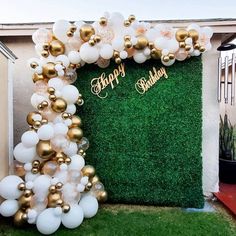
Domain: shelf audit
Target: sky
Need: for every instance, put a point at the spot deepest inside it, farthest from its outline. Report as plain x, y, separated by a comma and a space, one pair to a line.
26, 11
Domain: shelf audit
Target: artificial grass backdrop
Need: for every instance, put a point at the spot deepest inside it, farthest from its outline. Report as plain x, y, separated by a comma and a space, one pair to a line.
146, 148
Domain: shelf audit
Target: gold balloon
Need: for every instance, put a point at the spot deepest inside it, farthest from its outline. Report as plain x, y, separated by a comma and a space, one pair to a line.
141, 43
24, 200
193, 34
76, 121
66, 208
56, 48
36, 77
103, 21
49, 168
75, 134
86, 31
54, 199
20, 218
61, 155
49, 70
181, 35
101, 195
89, 171
19, 169
30, 116
44, 149
59, 105
95, 179
155, 53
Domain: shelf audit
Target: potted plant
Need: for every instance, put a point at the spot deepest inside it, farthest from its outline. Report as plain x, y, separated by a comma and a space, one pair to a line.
227, 151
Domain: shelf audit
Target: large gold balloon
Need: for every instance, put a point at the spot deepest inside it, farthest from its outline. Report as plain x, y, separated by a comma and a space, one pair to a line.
59, 105
76, 121
75, 134
36, 77
20, 218
56, 48
88, 170
181, 35
193, 34
30, 116
25, 199
86, 31
45, 150
101, 195
54, 199
141, 43
49, 70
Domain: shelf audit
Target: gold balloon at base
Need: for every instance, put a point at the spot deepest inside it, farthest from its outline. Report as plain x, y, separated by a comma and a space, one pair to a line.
49, 70
101, 195
88, 170
86, 31
45, 150
54, 199
20, 218
142, 42
75, 134
59, 105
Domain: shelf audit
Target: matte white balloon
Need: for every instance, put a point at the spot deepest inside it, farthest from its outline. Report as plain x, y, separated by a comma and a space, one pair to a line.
89, 205
41, 185
77, 162
60, 128
29, 139
64, 59
45, 132
139, 57
74, 57
29, 176
24, 154
56, 83
71, 108
9, 208
106, 51
48, 222
37, 99
60, 29
88, 53
71, 149
74, 217
9, 187
41, 36
70, 93
118, 44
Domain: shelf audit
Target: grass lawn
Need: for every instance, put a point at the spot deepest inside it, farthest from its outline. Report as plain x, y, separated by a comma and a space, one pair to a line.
139, 220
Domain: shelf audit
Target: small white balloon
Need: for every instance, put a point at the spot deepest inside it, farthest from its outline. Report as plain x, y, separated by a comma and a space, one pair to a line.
70, 93
29, 176
88, 53
60, 29
139, 57
41, 185
56, 83
89, 205
60, 128
77, 162
71, 149
118, 44
9, 187
84, 180
71, 108
29, 139
48, 222
45, 132
106, 51
24, 154
123, 54
74, 57
36, 99
9, 208
74, 217
64, 59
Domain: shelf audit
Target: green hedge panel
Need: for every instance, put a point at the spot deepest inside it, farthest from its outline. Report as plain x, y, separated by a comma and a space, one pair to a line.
146, 148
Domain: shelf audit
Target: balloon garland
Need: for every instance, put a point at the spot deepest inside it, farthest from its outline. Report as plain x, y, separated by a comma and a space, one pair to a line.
52, 184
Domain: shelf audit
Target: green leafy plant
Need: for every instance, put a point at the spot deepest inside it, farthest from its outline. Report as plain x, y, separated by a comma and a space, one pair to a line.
227, 139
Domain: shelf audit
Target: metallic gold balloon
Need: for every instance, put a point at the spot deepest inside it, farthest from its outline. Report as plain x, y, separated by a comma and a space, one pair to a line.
155, 53
44, 149
103, 21
70, 34
21, 186
36, 77
95, 179
57, 48
193, 34
36, 124
73, 28
24, 200
20, 218
75, 134
30, 116
132, 18
118, 60
182, 44
89, 171
181, 35
187, 47
171, 56
127, 37
65, 115
86, 31
49, 70
141, 43
61, 155
76, 121
202, 49
126, 23
53, 199
196, 46
91, 42
59, 105
128, 44
66, 208
51, 90
166, 58
101, 195
44, 53
19, 169
33, 64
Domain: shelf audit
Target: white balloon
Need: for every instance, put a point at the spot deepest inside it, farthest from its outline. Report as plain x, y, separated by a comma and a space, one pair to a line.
41, 185
139, 57
172, 45
89, 205
88, 53
71, 108
45, 132
169, 63
117, 19
9, 187
64, 59
74, 217
56, 83
60, 29
41, 36
48, 222
118, 44
29, 139
74, 57
208, 31
60, 128
36, 99
29, 176
106, 51
161, 43
24, 154
70, 93
195, 27
123, 54
151, 35
9, 208
71, 149
77, 162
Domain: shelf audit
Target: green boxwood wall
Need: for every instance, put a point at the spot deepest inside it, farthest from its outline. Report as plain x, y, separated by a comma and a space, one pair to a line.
147, 148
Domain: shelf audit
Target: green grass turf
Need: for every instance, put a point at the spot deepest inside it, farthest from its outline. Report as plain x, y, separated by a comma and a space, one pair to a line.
134, 221
147, 148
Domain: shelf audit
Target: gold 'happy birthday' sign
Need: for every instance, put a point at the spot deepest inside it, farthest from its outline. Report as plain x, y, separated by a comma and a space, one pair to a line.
98, 84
